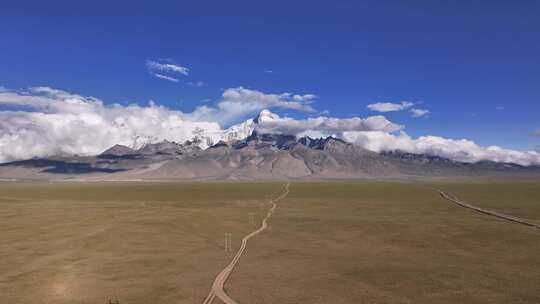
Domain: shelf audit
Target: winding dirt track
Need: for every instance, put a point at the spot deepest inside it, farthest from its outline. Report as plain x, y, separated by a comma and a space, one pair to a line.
217, 287
487, 212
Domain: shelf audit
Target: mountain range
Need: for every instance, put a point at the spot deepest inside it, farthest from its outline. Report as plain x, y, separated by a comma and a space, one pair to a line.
243, 153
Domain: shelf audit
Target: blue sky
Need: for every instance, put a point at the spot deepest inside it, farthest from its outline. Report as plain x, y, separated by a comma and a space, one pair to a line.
473, 64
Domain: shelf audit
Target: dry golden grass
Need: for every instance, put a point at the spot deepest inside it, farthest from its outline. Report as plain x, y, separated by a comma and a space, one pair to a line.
517, 199
387, 243
138, 243
329, 242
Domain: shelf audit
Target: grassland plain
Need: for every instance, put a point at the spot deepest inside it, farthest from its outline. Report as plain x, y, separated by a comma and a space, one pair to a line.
329, 242
138, 243
518, 199
388, 243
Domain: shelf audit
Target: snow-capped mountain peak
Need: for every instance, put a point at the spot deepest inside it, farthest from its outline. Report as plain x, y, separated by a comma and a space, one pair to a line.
204, 138
265, 115
236, 132
246, 128
239, 131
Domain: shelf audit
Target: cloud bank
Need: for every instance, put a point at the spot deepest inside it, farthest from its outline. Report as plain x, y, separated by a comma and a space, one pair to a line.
55, 122
323, 126
64, 123
457, 149
240, 102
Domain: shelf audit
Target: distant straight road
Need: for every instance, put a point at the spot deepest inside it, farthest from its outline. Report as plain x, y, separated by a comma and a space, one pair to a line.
488, 212
219, 282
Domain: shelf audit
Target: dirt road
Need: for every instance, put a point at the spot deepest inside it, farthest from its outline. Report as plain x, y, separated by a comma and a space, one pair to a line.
217, 287
487, 212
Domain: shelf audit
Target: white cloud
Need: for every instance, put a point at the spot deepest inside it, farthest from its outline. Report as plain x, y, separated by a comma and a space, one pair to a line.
312, 134
241, 102
389, 106
324, 112
165, 77
160, 70
196, 83
419, 112
63, 123
325, 126
307, 98
457, 149
166, 67
59, 122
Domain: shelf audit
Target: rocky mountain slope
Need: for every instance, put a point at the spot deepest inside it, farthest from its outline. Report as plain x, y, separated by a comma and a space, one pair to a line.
257, 156
241, 152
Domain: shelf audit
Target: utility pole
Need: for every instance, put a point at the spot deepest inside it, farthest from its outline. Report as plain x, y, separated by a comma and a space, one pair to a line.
228, 242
